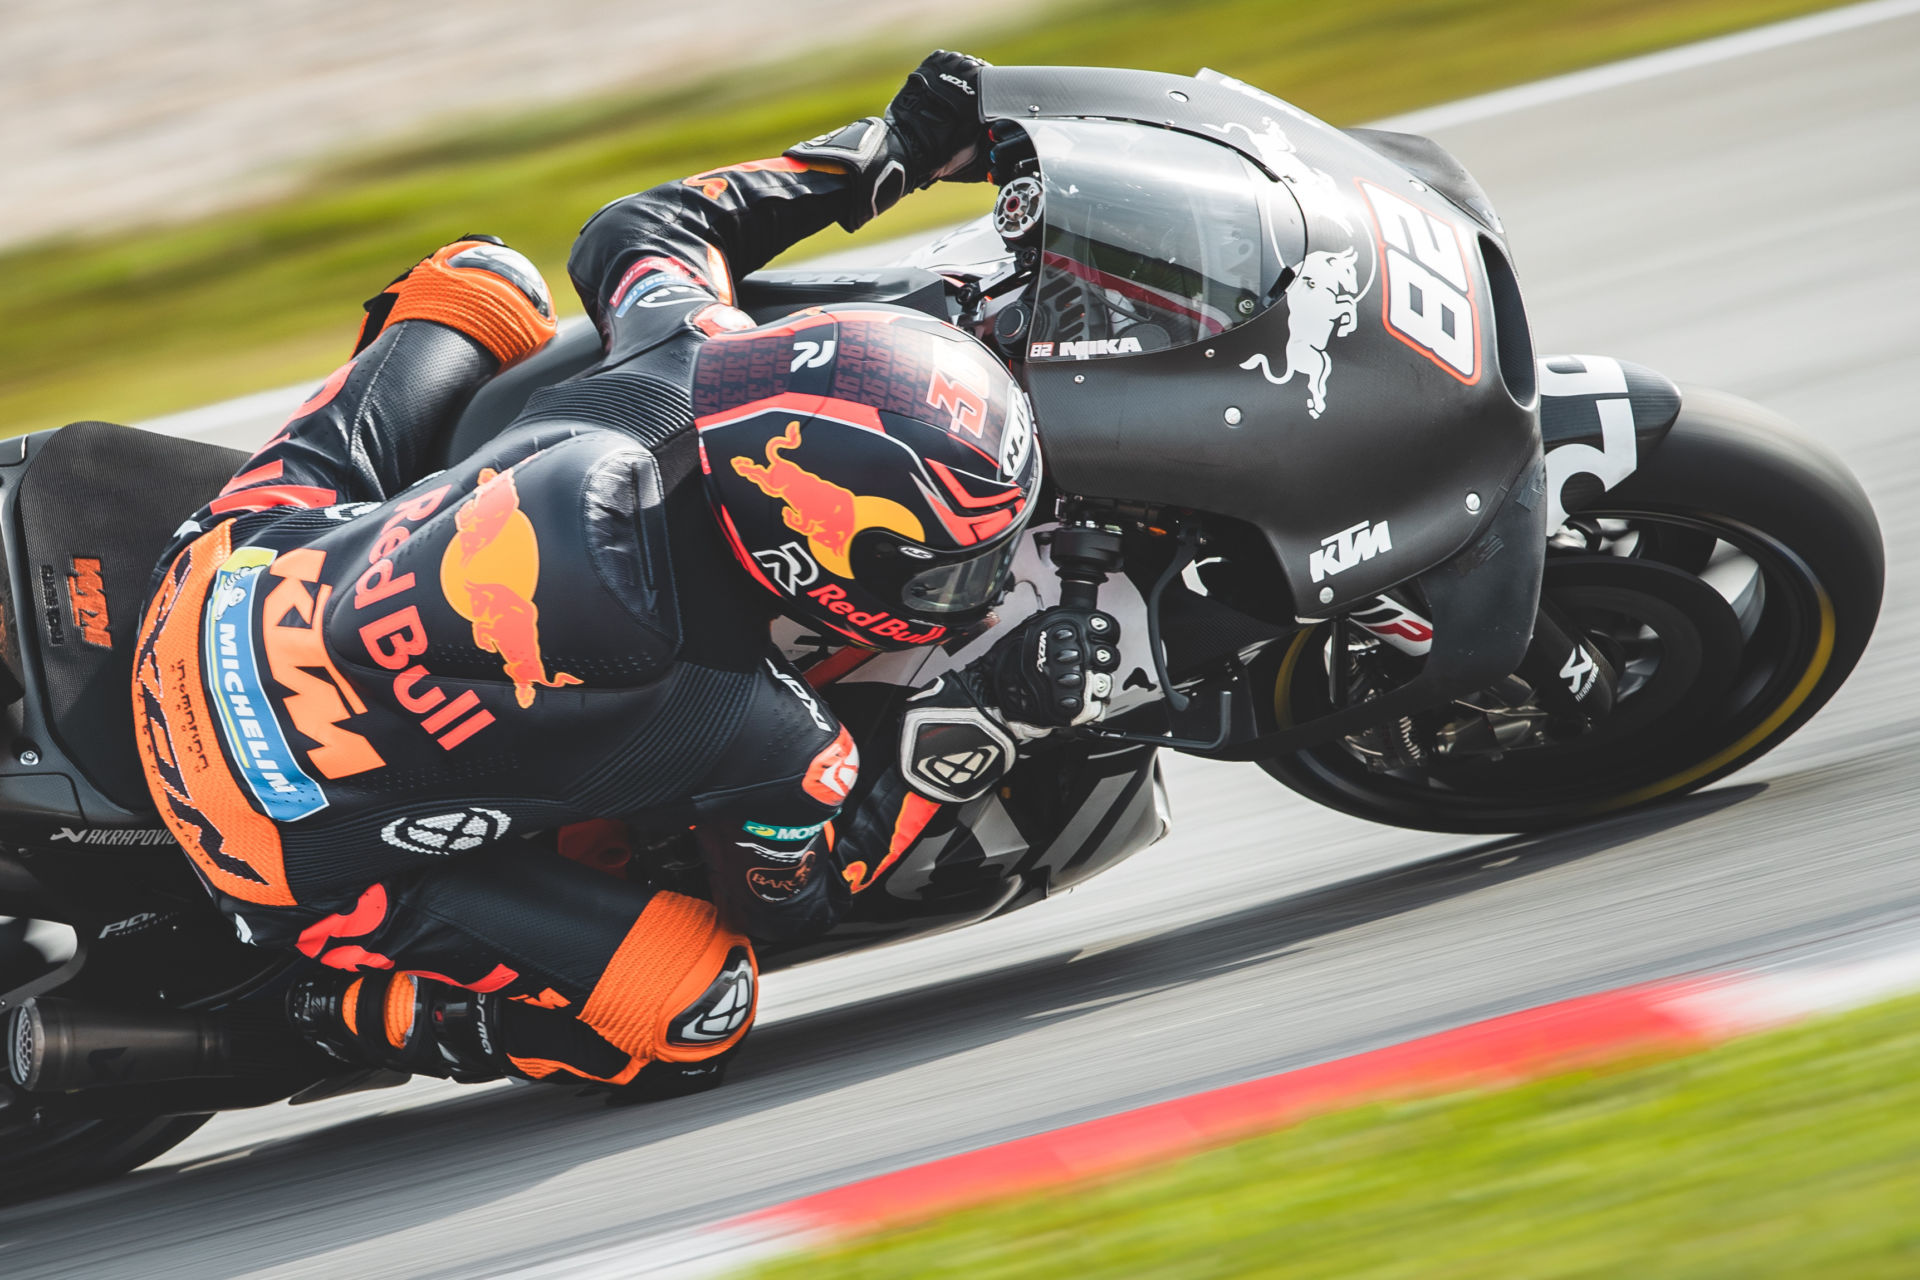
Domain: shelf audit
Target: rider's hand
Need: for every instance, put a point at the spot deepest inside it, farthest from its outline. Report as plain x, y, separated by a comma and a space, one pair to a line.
1056, 668
936, 116
932, 131
960, 735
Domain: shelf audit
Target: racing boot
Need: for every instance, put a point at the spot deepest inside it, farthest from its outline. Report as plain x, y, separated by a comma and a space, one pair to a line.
477, 286
402, 1022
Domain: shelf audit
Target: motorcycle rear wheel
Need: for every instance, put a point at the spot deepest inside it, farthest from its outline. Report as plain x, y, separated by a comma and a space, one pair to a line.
39, 1159
1734, 579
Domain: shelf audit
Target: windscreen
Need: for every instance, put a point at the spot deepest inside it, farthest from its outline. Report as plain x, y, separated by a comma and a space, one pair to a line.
1152, 239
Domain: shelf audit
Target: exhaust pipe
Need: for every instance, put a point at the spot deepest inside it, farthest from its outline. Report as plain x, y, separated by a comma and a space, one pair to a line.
60, 1046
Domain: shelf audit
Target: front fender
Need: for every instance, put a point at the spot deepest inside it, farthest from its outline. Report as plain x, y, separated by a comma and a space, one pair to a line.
1598, 417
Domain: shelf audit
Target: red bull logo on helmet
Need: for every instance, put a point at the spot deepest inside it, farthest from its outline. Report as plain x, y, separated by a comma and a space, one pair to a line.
488, 575
825, 514
877, 621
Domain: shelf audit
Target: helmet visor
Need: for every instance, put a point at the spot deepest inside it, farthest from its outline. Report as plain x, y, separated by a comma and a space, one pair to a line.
963, 585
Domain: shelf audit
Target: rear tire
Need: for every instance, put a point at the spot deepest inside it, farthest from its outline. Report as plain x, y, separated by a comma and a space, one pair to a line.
64, 1154
1732, 483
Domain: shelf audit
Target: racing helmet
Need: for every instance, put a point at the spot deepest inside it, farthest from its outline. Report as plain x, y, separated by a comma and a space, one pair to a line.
871, 466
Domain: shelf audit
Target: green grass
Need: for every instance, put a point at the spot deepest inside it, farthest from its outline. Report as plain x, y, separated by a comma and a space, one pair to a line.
1791, 1154
135, 324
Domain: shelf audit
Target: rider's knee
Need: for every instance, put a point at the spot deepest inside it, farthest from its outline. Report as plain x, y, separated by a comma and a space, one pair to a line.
477, 286
681, 987
677, 996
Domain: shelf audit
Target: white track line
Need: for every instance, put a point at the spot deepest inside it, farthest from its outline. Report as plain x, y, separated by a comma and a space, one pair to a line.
265, 410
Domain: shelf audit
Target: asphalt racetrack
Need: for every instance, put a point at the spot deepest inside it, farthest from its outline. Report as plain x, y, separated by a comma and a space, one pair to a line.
1747, 224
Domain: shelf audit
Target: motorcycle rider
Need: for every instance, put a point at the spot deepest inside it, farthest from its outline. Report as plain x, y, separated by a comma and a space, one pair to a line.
360, 688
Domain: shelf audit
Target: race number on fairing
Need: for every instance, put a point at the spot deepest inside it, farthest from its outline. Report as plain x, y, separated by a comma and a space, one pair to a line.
1429, 284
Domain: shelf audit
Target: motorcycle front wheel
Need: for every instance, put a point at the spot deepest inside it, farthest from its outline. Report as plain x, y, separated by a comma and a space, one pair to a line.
1733, 581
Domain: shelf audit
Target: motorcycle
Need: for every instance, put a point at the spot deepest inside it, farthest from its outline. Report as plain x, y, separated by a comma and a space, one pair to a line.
1354, 530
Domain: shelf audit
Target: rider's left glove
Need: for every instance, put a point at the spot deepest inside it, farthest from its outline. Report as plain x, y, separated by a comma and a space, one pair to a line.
931, 132
936, 115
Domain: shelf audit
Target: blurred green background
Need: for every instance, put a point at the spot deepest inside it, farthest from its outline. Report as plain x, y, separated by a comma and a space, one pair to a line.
128, 326
1788, 1154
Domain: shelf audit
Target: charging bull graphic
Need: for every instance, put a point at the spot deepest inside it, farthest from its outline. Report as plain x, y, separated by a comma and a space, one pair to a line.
822, 512
488, 575
1323, 303
1314, 188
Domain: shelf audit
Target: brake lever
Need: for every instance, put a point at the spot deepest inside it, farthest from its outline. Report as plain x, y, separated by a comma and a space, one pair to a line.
1171, 742
1184, 554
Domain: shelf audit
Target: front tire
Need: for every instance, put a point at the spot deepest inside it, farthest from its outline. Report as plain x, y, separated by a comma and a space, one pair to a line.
1735, 576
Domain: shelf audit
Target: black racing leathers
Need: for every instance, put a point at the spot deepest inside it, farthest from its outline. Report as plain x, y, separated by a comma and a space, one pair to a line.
404, 676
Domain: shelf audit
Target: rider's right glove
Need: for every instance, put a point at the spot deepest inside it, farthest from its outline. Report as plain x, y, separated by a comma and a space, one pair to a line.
959, 737
931, 132
1056, 668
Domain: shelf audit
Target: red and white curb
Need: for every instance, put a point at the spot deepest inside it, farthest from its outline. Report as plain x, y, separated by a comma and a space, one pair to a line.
1661, 1017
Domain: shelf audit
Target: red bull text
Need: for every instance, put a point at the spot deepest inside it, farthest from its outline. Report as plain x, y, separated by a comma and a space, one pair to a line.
878, 621
397, 637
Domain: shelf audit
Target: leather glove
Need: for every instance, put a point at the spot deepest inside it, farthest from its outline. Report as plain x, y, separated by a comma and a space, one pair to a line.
932, 130
1056, 668
959, 736
936, 116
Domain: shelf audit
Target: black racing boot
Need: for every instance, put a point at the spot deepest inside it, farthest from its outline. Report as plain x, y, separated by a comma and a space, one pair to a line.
400, 1022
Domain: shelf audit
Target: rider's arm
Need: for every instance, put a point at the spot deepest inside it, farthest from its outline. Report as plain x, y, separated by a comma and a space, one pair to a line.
716, 226
784, 859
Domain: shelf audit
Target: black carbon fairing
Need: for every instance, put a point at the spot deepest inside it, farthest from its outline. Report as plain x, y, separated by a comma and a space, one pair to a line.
1363, 420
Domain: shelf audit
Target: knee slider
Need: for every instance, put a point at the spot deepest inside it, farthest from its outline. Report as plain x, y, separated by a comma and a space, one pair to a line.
476, 286
680, 988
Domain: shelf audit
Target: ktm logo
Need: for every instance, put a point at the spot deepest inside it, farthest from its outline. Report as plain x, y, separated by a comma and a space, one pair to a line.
319, 697
1341, 551
87, 596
